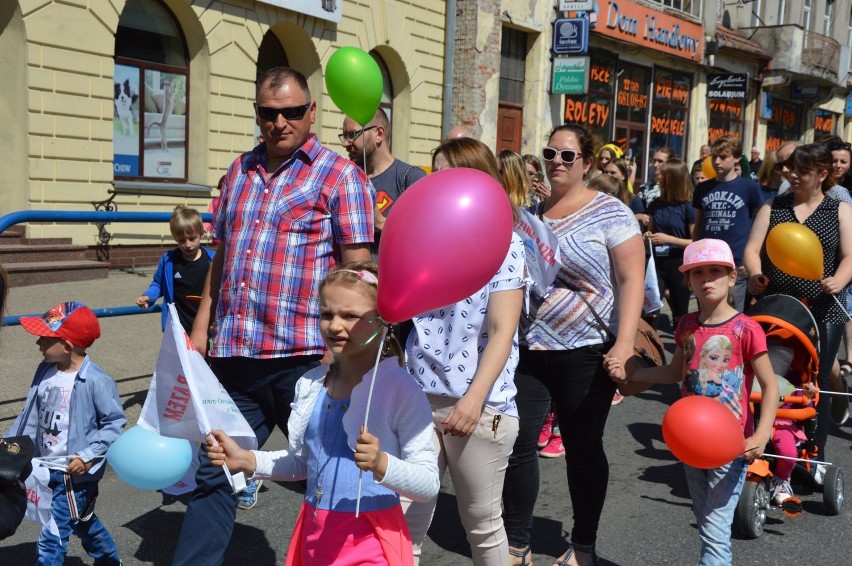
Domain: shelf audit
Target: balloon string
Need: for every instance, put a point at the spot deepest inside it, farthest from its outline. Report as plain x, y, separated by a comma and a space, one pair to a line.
367, 414
842, 306
796, 459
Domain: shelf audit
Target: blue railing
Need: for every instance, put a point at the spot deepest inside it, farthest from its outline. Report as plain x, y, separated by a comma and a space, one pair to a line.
93, 217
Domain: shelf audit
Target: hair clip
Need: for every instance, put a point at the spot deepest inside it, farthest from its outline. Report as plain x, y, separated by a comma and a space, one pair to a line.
365, 276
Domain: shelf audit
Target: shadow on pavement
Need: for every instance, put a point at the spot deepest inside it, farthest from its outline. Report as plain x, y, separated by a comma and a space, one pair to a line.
670, 475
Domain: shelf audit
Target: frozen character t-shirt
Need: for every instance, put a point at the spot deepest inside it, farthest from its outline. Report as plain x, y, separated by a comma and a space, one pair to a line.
717, 359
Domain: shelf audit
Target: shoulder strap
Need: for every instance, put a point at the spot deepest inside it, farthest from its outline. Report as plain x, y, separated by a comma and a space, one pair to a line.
595, 314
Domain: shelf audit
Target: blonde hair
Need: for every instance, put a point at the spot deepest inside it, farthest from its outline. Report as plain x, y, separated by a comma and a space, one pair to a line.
516, 182
363, 275
185, 221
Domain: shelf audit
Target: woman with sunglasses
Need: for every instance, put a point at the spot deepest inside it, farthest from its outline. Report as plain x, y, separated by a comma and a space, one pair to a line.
561, 356
810, 175
464, 357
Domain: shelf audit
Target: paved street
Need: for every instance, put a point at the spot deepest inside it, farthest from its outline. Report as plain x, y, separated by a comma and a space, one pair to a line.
647, 519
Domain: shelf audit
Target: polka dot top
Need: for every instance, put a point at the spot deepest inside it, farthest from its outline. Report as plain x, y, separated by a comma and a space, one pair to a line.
825, 223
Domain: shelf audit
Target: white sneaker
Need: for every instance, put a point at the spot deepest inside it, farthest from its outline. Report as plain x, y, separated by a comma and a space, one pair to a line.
781, 491
818, 472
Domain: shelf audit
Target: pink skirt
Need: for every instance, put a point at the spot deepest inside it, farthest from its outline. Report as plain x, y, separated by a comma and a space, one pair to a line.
339, 539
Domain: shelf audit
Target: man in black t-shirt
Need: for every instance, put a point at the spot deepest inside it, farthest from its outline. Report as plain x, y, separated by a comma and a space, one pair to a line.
389, 175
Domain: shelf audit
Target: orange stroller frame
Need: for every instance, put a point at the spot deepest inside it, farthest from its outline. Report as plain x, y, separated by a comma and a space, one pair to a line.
787, 321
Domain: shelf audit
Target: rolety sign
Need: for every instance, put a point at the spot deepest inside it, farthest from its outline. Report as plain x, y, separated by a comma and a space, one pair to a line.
628, 21
727, 86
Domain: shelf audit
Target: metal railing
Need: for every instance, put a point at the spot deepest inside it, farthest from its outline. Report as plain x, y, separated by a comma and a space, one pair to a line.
820, 51
88, 217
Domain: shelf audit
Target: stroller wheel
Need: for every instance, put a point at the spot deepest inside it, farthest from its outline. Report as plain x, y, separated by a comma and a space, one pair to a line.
832, 490
750, 515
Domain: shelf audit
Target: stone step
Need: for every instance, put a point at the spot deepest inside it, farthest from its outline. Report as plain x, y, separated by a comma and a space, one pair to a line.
41, 272
41, 251
12, 235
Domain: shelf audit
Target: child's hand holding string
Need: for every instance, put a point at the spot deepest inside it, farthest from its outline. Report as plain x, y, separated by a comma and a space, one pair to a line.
754, 446
369, 456
229, 452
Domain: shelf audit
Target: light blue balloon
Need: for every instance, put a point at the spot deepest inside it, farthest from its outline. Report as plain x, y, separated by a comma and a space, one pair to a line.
146, 460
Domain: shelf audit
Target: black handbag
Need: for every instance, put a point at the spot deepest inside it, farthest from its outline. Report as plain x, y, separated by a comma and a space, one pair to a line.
16, 464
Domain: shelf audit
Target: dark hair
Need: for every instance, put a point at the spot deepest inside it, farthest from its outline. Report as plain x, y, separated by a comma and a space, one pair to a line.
664, 149
812, 157
623, 166
584, 138
836, 143
675, 182
531, 159
468, 152
274, 78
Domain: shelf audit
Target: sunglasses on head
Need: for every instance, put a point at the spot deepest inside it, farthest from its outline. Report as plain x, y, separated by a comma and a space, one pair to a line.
566, 155
840, 145
291, 113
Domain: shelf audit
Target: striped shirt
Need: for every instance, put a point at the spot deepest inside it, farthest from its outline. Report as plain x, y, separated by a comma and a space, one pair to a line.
283, 233
563, 321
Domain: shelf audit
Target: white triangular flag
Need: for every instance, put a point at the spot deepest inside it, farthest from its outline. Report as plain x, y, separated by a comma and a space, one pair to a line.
185, 400
40, 497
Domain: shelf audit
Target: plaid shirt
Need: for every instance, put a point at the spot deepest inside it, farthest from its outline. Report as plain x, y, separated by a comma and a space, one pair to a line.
282, 234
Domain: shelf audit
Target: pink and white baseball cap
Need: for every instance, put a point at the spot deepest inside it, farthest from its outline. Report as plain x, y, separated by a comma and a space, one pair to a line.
707, 252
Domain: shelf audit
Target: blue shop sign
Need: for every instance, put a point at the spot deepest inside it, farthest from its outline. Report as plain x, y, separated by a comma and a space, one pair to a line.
571, 35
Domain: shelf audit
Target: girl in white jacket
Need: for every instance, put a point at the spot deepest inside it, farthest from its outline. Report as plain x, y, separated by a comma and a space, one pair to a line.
330, 448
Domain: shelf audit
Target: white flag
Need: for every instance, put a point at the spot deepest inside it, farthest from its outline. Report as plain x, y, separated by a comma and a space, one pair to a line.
541, 251
653, 301
185, 400
40, 497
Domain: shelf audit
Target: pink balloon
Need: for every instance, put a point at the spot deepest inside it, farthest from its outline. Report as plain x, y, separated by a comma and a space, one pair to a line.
445, 239
702, 432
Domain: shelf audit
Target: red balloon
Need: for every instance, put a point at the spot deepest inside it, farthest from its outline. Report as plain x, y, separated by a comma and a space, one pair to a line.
702, 432
445, 238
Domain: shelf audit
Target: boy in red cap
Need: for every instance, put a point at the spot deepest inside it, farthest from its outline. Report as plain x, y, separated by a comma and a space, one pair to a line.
72, 410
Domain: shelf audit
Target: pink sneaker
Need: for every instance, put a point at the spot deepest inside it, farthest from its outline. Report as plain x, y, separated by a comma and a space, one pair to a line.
546, 431
617, 398
554, 448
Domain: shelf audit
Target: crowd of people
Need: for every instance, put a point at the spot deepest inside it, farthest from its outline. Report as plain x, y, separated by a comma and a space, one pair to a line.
286, 313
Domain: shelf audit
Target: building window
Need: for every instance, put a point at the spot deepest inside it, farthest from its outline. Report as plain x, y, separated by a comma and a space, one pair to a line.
689, 6
670, 111
387, 87
594, 110
824, 124
270, 54
150, 120
806, 15
513, 62
726, 119
785, 123
826, 18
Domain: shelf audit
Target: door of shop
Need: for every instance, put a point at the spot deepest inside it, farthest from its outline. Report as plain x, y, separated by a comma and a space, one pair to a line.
510, 120
631, 137
631, 115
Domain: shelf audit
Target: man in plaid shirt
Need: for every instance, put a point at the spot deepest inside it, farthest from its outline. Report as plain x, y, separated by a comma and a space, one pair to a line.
290, 210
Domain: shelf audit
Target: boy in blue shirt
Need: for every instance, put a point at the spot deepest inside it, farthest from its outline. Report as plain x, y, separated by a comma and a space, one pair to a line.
180, 275
72, 410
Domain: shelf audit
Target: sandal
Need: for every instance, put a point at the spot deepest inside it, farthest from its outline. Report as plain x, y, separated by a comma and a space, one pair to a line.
845, 368
563, 561
525, 555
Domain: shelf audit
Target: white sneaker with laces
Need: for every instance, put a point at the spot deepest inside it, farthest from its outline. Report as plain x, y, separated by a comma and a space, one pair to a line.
781, 491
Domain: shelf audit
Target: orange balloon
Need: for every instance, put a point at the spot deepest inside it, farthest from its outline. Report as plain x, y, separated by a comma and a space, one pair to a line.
707, 168
795, 250
703, 433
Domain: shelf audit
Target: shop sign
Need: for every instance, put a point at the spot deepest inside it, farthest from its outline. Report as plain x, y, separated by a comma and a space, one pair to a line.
628, 21
631, 93
849, 104
581, 6
672, 91
331, 10
589, 112
824, 122
727, 86
571, 35
570, 75
804, 91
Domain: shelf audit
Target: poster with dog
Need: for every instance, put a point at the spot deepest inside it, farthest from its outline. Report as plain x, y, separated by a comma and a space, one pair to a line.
164, 123
125, 121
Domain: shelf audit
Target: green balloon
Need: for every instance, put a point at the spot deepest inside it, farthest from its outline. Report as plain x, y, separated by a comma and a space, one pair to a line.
354, 82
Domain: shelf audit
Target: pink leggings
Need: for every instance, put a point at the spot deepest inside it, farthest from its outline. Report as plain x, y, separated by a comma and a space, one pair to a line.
784, 442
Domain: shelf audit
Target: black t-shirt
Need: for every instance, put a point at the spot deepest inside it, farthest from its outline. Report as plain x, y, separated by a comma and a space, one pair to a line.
188, 284
389, 185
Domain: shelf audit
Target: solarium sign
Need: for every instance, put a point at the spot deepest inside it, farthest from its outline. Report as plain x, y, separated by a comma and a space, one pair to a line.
643, 26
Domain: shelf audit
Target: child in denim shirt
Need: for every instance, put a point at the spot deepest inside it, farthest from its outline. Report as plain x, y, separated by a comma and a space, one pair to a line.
72, 410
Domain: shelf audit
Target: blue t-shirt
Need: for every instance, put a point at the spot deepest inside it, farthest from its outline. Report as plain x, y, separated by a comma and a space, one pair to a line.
729, 208
673, 219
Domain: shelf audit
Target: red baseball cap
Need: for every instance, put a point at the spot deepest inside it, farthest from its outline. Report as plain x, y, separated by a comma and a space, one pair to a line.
73, 321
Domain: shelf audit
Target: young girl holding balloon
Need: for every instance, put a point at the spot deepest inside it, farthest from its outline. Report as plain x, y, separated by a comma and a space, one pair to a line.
711, 273
347, 519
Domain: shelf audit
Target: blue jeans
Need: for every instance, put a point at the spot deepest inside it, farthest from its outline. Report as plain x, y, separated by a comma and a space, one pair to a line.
262, 389
94, 536
715, 494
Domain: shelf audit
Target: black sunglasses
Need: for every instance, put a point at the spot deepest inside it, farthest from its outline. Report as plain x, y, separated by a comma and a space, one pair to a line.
840, 145
291, 113
568, 156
